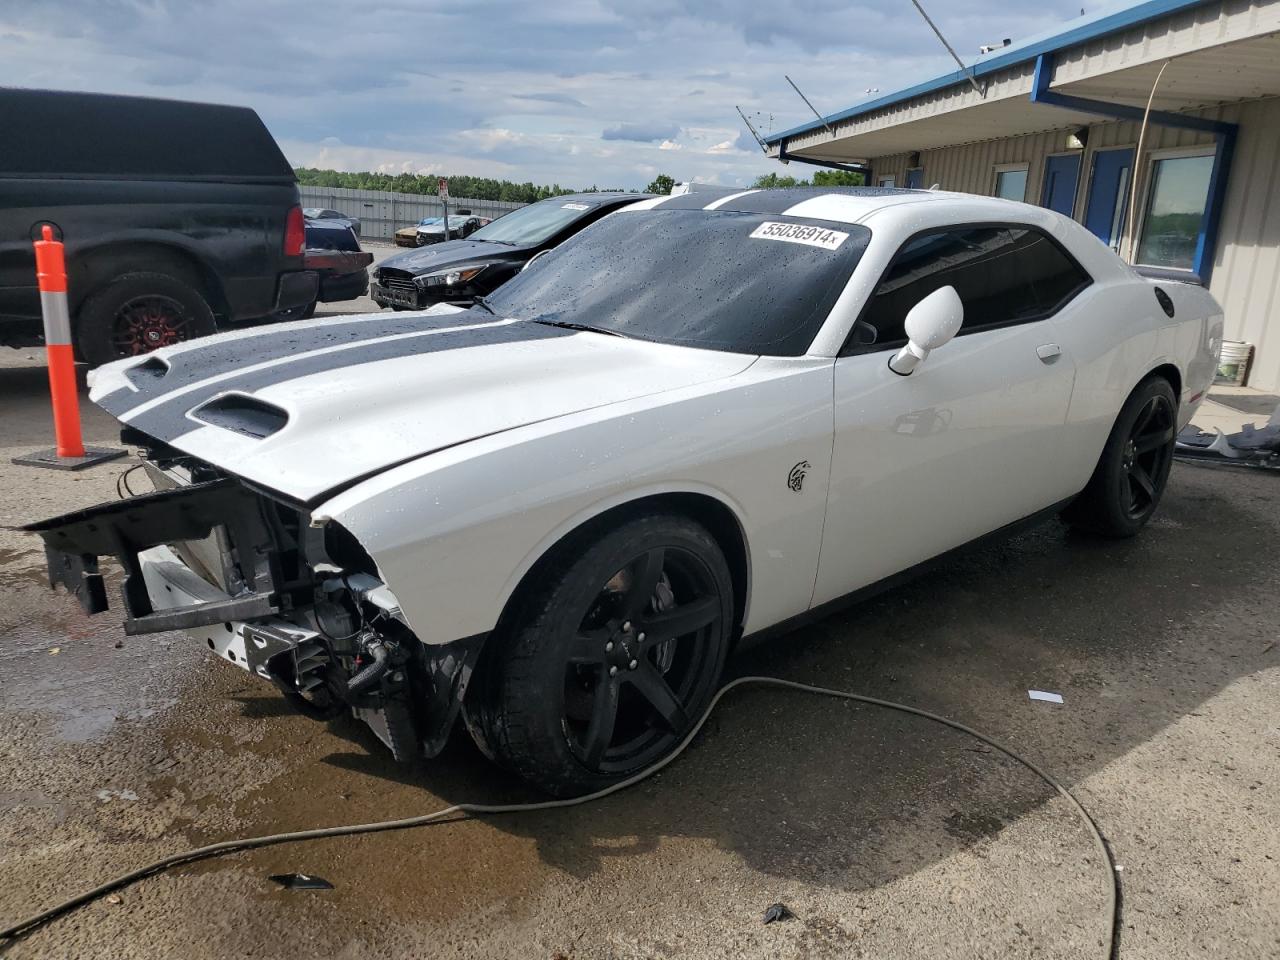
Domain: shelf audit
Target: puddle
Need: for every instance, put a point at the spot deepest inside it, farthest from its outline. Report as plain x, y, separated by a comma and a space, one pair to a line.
68, 671
21, 567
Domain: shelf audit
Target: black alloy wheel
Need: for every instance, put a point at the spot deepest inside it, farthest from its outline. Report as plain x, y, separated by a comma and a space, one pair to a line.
1132, 472
608, 657
1147, 456
639, 661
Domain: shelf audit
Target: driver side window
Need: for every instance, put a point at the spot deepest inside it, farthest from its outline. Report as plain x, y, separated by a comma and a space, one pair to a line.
1004, 275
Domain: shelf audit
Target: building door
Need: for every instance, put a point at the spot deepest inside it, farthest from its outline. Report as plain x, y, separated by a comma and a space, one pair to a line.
1060, 177
915, 178
1108, 199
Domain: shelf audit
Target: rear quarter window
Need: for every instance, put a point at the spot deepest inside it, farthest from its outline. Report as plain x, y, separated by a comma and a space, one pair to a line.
1004, 274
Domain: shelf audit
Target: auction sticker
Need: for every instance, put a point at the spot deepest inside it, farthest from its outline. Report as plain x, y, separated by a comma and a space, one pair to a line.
575, 206
799, 233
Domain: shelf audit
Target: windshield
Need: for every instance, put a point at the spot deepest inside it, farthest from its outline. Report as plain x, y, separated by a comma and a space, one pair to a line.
534, 223
741, 282
428, 221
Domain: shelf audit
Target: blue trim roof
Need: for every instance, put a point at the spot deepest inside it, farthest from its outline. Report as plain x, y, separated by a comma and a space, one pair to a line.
1091, 26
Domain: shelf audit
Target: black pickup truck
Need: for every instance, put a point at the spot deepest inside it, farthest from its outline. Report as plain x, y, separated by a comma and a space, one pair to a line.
177, 218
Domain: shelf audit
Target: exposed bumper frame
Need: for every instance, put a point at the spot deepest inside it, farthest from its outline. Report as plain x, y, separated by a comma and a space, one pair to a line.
75, 541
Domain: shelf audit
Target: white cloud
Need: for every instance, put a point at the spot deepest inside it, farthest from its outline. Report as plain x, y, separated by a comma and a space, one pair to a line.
505, 88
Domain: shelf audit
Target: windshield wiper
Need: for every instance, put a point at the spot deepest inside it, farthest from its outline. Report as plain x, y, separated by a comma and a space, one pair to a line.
567, 325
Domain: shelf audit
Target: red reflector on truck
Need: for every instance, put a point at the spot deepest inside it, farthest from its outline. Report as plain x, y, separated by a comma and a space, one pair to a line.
295, 233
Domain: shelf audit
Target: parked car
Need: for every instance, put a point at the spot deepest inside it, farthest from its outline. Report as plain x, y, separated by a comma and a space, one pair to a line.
177, 218
322, 213
460, 270
333, 252
406, 236
699, 420
461, 226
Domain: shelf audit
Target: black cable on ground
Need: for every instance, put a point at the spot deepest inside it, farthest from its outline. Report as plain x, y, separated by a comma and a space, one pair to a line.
249, 843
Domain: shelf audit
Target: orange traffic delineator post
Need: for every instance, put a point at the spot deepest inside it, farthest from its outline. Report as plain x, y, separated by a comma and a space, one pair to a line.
70, 452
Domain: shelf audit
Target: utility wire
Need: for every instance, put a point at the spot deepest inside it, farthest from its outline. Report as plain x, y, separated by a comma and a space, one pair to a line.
1111, 884
1137, 165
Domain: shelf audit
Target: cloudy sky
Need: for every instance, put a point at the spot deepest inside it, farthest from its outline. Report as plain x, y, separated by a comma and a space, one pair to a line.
576, 92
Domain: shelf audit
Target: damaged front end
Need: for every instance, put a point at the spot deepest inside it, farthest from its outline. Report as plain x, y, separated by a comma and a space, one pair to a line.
248, 575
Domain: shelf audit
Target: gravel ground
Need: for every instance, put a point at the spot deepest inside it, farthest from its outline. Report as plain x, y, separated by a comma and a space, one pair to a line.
888, 837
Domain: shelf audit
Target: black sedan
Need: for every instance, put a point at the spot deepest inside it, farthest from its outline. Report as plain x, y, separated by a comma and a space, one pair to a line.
458, 271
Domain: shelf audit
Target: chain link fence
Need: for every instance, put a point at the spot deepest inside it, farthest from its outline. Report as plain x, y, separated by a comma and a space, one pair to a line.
381, 213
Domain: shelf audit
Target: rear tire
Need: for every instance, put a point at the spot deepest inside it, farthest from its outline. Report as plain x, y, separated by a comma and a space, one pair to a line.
1131, 475
589, 682
139, 312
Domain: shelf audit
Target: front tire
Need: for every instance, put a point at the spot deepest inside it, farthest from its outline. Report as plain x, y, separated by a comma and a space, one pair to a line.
610, 658
1131, 475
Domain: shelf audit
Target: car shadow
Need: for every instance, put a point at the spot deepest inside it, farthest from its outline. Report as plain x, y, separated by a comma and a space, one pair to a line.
853, 796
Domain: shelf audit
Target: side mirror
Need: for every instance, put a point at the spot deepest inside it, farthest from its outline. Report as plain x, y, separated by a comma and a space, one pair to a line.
930, 324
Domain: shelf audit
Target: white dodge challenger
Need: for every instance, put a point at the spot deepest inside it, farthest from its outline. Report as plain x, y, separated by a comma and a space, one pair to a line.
708, 415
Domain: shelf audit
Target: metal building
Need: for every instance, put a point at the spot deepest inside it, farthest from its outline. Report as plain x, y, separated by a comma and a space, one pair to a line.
1056, 120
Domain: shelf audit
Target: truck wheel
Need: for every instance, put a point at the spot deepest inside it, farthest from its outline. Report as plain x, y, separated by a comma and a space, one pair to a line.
611, 659
139, 312
1131, 474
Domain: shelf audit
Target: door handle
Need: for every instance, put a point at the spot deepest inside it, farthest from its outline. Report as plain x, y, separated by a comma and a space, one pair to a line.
1048, 352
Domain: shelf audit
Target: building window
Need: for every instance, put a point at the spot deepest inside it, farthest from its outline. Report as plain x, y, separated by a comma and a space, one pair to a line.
888, 182
1011, 182
1176, 202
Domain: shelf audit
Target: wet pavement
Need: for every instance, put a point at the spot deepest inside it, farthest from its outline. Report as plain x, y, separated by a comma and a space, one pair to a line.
887, 836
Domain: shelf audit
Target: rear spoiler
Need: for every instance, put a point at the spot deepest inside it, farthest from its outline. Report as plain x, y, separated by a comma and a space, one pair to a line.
74, 542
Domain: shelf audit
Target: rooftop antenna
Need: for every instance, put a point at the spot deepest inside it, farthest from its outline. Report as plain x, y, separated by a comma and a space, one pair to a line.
808, 104
759, 139
968, 74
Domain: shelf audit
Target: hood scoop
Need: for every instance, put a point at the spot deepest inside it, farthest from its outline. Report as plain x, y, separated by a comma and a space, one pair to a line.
242, 414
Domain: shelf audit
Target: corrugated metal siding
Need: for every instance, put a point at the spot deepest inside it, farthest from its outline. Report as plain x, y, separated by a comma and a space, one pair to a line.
1246, 275
1089, 69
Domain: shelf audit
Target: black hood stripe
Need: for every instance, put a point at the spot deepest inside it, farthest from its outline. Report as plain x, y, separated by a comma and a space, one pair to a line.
168, 419
217, 358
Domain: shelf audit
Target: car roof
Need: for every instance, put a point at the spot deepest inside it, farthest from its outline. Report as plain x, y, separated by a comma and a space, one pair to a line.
601, 197
839, 204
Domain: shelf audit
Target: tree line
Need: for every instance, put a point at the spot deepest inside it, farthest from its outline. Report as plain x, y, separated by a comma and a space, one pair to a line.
487, 188
822, 178
470, 188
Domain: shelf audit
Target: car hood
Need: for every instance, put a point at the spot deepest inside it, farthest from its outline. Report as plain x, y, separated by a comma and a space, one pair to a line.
308, 408
451, 252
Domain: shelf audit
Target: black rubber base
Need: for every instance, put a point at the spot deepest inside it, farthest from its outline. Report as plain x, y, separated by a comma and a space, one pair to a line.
50, 459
